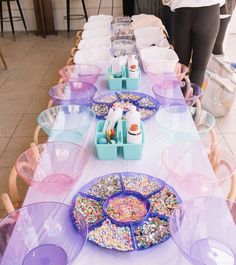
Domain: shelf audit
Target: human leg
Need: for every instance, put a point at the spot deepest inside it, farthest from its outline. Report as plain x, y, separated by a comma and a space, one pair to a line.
182, 34
204, 32
218, 47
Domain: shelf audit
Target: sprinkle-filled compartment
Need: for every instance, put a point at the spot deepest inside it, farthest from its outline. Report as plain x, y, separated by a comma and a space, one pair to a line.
126, 211
146, 105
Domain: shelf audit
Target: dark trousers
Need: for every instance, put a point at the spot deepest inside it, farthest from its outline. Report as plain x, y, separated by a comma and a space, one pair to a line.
168, 22
128, 7
195, 31
218, 48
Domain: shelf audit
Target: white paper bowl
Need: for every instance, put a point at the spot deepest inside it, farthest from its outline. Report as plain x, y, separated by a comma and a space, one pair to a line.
163, 58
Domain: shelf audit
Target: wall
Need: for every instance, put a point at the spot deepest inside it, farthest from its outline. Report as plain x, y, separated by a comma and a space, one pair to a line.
59, 7
232, 26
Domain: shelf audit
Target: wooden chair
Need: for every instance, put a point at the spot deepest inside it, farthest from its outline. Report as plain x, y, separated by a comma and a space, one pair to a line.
3, 60
12, 201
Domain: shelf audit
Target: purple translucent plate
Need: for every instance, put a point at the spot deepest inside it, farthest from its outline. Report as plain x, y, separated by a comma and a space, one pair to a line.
146, 105
72, 93
204, 229
126, 235
41, 233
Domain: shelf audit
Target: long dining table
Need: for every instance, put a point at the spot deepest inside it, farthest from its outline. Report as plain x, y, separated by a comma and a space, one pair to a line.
156, 140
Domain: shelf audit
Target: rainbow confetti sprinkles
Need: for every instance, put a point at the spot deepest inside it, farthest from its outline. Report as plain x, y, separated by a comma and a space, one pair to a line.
111, 236
126, 209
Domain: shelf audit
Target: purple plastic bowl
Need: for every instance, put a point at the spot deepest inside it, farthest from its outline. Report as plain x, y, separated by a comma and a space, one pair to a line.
41, 233
72, 93
169, 95
87, 73
166, 79
204, 230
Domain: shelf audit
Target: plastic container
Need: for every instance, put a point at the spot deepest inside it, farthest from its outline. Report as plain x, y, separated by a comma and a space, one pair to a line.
132, 117
61, 165
122, 30
166, 80
125, 19
168, 93
72, 93
124, 195
87, 73
41, 233
146, 105
121, 147
115, 188
204, 230
164, 59
100, 42
188, 168
149, 32
204, 121
123, 83
66, 123
98, 32
176, 122
143, 42
123, 46
97, 25
100, 18
100, 57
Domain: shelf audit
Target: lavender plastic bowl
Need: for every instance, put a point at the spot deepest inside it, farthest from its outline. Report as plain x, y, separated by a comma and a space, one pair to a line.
204, 230
72, 93
41, 233
169, 95
166, 79
87, 73
53, 167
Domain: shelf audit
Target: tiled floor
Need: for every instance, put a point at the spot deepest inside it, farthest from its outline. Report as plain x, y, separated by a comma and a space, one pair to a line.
33, 68
33, 65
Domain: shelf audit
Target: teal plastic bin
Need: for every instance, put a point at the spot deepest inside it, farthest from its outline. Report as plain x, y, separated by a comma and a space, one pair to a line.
124, 82
111, 151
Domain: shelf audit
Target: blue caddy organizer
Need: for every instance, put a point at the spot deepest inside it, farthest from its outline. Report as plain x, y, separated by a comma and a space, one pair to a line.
124, 82
111, 151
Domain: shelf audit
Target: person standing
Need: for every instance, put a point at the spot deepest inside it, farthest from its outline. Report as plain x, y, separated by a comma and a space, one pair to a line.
226, 12
128, 8
196, 24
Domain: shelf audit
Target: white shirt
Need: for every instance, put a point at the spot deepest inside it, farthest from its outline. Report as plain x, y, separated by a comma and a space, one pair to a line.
174, 4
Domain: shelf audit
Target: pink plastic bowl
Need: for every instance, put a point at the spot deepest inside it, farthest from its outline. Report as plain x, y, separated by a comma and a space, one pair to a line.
41, 234
87, 73
53, 167
189, 168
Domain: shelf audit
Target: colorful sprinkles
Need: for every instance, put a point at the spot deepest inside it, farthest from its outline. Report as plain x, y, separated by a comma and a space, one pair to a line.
151, 232
126, 209
100, 109
163, 202
141, 184
106, 186
111, 236
89, 208
146, 104
124, 221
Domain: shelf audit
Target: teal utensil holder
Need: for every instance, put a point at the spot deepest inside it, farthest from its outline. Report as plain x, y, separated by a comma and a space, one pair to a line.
121, 148
123, 82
